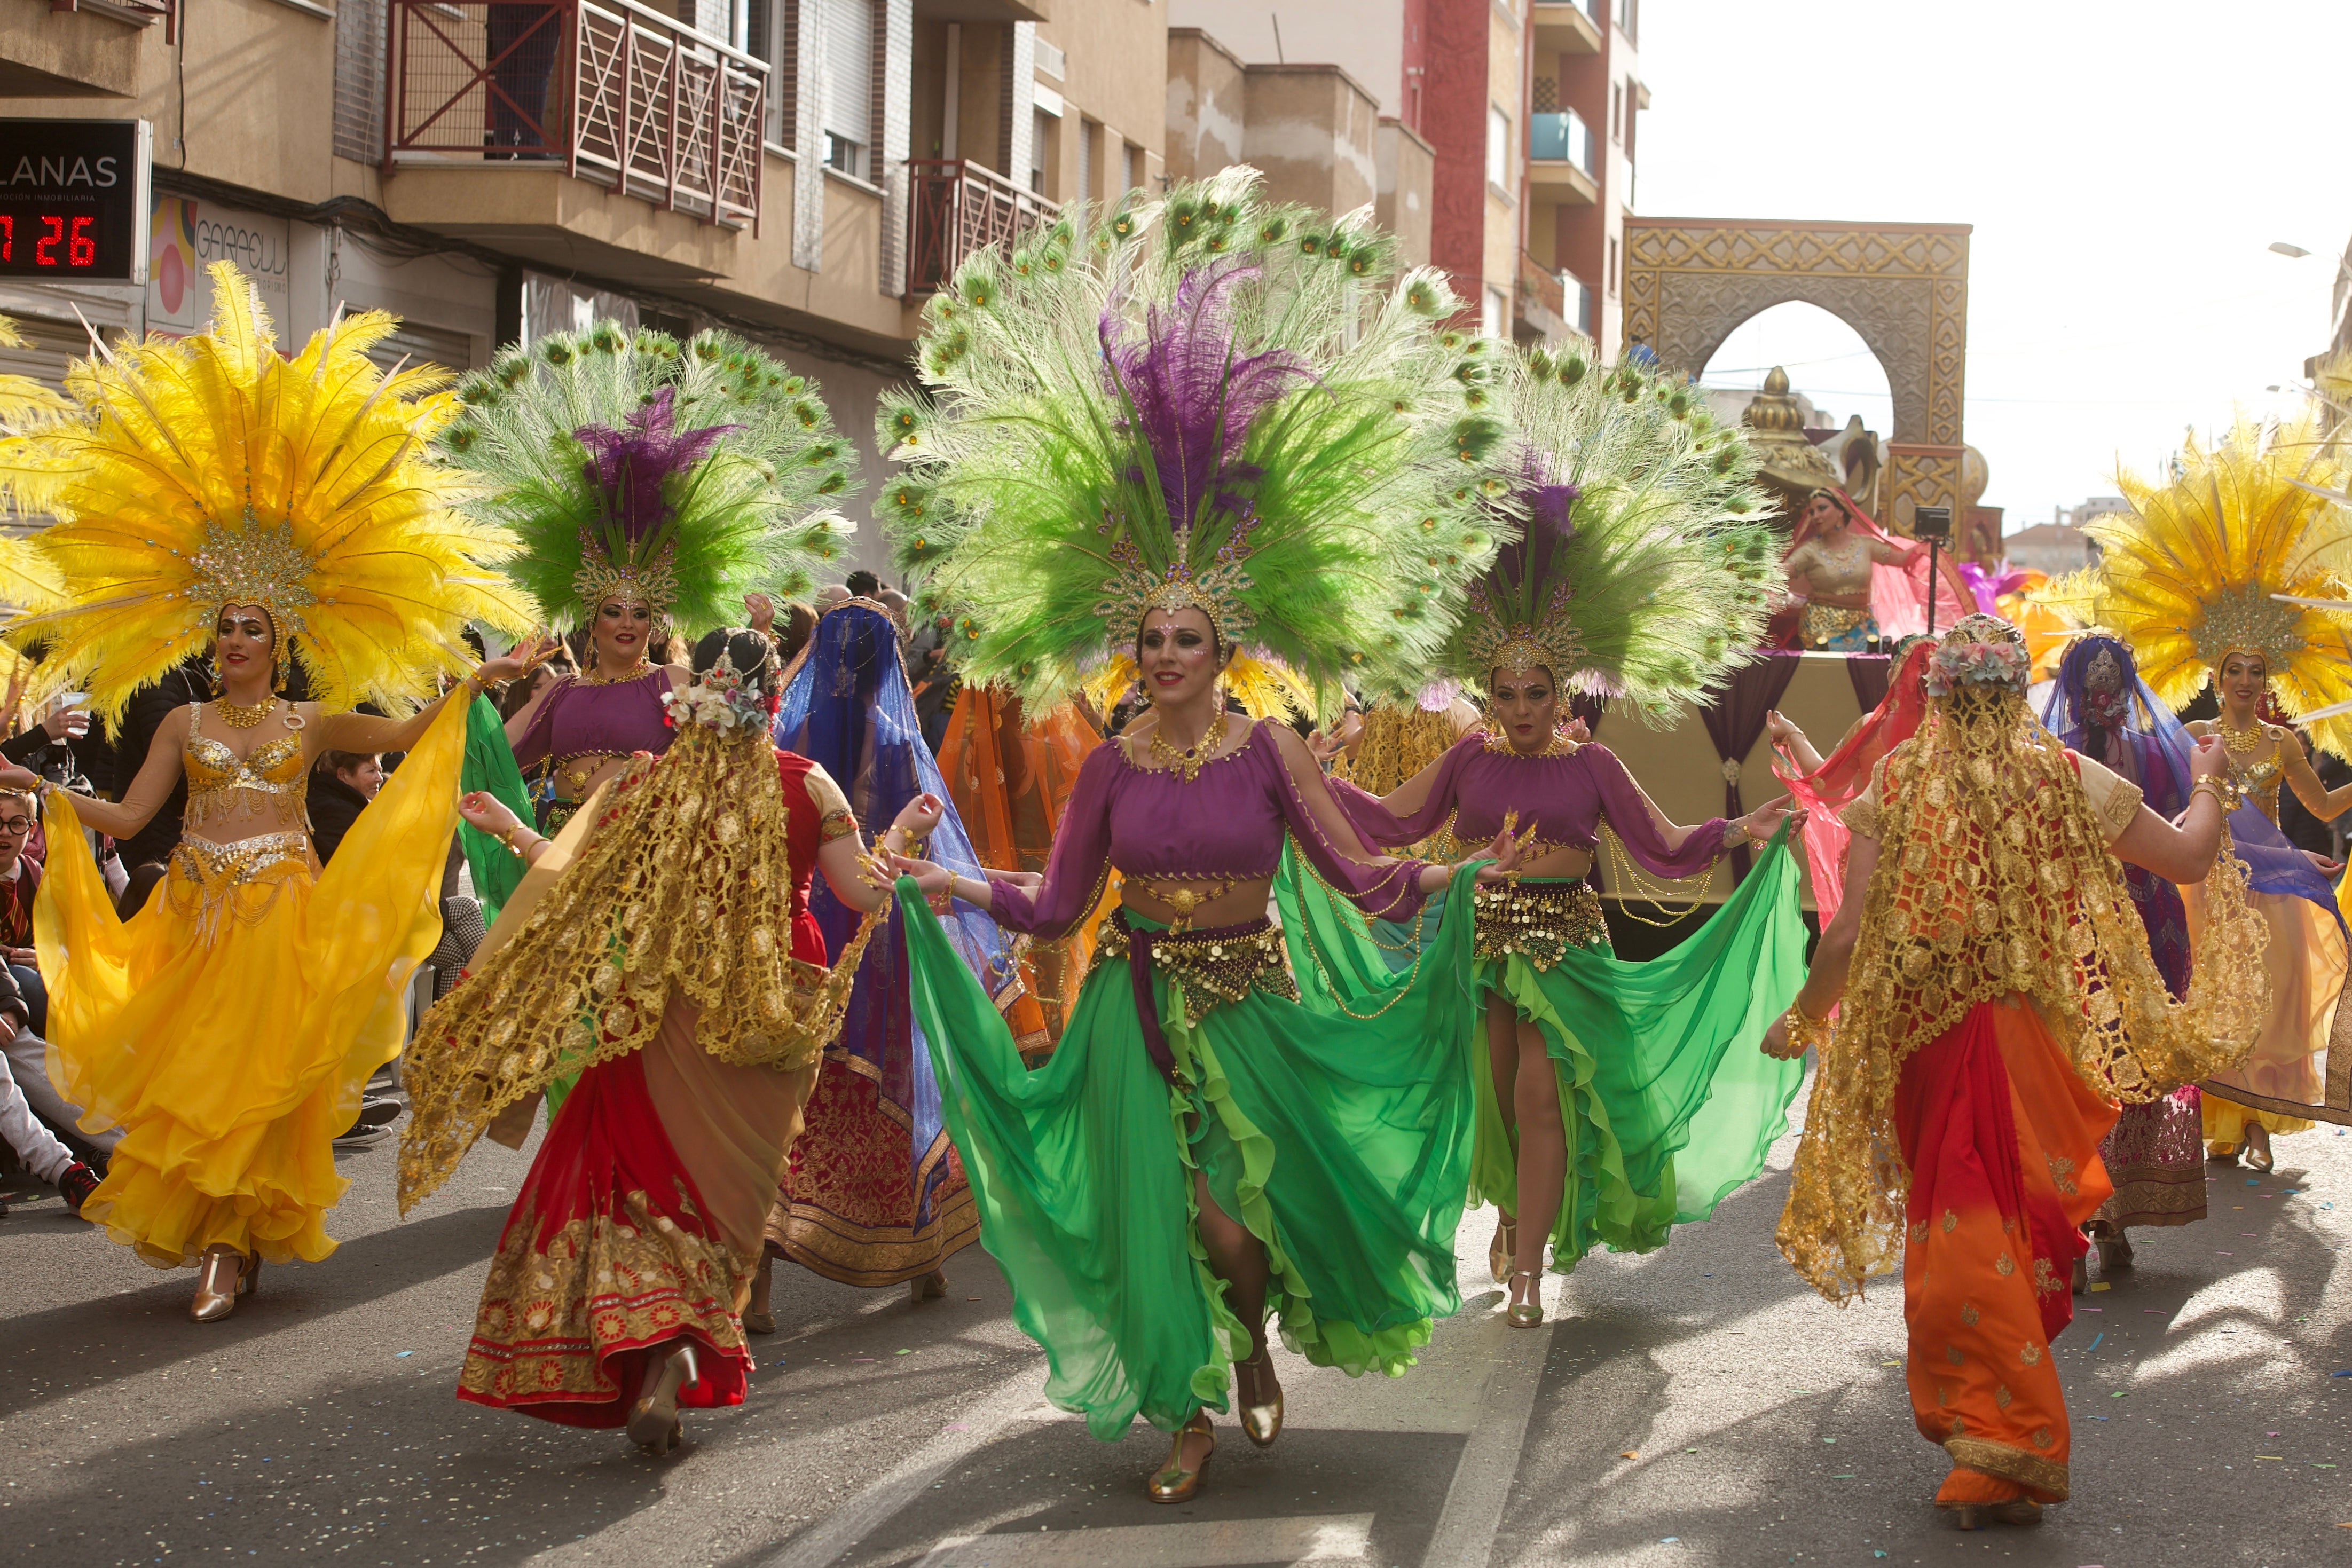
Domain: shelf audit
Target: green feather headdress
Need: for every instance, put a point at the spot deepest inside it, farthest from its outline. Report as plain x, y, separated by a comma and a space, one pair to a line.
1643, 565
1209, 402
682, 475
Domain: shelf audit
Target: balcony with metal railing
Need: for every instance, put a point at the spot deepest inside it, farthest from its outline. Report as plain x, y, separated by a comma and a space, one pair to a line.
957, 206
605, 92
1563, 159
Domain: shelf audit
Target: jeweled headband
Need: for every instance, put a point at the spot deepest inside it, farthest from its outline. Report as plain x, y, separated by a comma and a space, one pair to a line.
1137, 591
1494, 643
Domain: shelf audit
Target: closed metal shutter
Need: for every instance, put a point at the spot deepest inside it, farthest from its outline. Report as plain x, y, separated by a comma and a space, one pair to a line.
848, 83
422, 345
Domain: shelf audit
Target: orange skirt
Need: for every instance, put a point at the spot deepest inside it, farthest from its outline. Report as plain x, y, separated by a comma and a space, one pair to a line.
2002, 1139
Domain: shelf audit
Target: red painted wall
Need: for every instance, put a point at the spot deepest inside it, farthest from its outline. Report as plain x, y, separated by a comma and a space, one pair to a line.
1453, 121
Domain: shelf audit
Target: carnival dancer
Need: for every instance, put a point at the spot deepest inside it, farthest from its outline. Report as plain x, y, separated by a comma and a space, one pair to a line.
278, 512
1856, 584
2100, 708
874, 1194
612, 1298
655, 486
1226, 451
2186, 578
1612, 1104
1999, 998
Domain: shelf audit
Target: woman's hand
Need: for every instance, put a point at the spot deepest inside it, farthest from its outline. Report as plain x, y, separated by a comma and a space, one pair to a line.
24, 956
917, 817
2321, 863
67, 724
20, 779
517, 660
1326, 747
762, 611
1026, 881
1576, 732
486, 812
1775, 1043
930, 876
1503, 857
2209, 761
1765, 820
1783, 733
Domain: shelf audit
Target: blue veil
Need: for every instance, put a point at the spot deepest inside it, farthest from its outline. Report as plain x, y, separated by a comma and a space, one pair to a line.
2160, 746
848, 708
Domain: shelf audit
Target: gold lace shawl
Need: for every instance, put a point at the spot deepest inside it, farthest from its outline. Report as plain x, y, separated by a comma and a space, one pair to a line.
1994, 878
1400, 739
680, 884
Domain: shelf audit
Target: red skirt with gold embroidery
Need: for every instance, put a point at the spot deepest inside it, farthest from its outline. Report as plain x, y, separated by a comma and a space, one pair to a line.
609, 1252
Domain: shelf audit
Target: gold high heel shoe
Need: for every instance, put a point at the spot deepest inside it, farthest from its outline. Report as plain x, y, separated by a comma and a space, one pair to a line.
2254, 1143
1261, 1416
1503, 1250
930, 1287
1174, 1483
653, 1426
1529, 1314
223, 1274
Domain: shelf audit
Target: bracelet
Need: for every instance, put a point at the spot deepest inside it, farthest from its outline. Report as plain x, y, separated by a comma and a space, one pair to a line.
2207, 786
507, 838
1806, 1032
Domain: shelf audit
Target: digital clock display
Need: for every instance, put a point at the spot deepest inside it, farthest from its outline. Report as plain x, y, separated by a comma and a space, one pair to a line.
73, 200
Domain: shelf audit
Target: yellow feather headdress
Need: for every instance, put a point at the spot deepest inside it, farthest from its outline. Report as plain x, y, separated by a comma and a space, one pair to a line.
212, 471
2188, 574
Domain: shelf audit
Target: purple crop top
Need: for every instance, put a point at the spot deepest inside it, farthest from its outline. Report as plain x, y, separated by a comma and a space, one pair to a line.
581, 720
1562, 799
1227, 822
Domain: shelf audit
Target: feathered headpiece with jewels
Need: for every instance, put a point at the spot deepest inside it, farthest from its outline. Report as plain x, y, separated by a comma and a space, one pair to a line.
1205, 402
680, 476
211, 471
2190, 575
1644, 562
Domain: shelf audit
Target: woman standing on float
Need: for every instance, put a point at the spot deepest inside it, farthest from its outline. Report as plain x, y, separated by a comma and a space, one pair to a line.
1226, 479
2187, 578
1619, 1098
210, 493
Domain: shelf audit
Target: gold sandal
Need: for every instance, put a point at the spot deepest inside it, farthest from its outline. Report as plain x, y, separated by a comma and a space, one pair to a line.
1977, 1515
1174, 1483
1503, 1250
224, 1275
653, 1426
1261, 1418
1529, 1314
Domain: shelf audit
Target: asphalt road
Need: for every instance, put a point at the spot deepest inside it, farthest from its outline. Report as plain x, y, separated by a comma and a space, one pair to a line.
1696, 1407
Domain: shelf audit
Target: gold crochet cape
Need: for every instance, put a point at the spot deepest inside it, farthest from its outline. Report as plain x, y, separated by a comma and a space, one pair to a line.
680, 885
1994, 878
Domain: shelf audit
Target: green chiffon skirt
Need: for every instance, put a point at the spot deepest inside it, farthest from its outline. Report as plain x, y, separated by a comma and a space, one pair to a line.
1666, 1102
1342, 1143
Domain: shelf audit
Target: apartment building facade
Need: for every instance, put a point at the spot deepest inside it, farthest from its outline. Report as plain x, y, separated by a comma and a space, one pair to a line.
1523, 111
803, 172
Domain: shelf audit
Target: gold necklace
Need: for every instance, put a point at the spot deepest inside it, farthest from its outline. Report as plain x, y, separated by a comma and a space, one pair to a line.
1187, 764
238, 716
599, 678
1499, 743
2241, 742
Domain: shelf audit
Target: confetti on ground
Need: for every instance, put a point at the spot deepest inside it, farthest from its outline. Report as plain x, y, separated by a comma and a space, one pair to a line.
1631, 1454
2119, 1394
2279, 1456
399, 1355
1890, 1364
2094, 1343
2101, 1285
902, 1353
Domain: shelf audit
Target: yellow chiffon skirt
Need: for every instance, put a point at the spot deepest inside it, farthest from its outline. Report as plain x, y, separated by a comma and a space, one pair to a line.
228, 1026
2306, 958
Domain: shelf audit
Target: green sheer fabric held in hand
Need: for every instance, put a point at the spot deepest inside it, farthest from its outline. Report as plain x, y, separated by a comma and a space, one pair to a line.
1342, 1143
490, 767
1666, 1102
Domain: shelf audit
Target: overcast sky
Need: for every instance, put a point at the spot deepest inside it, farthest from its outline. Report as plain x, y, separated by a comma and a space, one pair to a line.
2125, 165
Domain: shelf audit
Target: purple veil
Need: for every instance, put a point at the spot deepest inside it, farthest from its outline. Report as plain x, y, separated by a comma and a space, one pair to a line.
2156, 748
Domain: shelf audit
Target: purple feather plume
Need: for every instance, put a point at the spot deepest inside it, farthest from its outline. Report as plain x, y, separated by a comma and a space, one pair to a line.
1527, 560
1193, 398
630, 464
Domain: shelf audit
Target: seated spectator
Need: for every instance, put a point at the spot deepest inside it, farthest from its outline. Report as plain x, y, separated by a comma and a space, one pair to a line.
26, 1097
341, 785
861, 584
20, 882
135, 889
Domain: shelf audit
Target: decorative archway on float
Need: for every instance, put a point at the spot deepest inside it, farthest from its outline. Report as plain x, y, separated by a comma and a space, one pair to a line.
1904, 288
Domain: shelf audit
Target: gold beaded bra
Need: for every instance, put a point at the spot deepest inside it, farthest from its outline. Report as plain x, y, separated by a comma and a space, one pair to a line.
226, 789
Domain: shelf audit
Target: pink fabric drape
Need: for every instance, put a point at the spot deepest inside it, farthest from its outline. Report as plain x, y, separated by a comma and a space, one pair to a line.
1845, 774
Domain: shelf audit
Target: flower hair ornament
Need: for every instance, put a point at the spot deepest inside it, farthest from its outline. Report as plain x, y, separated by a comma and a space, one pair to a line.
1206, 402
1981, 651
681, 477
